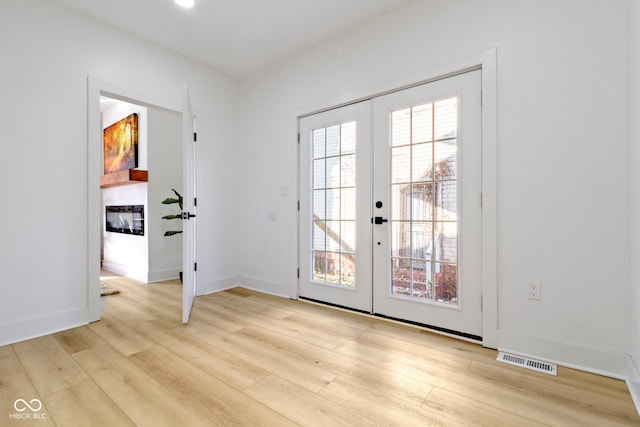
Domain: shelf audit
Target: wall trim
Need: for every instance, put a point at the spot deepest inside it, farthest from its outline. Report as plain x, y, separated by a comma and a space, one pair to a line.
235, 285
633, 383
280, 295
217, 285
162, 275
601, 362
607, 363
266, 286
123, 270
38, 326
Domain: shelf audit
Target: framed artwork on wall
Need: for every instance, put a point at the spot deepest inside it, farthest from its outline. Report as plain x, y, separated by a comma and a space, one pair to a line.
121, 145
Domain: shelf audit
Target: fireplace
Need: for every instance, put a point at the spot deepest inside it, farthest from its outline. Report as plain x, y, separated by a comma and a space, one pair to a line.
125, 219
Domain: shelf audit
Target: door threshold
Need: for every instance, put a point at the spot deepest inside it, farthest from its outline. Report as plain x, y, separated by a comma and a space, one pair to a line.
435, 329
330, 304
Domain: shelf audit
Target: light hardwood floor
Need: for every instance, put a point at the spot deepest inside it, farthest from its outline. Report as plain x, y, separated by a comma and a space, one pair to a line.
250, 359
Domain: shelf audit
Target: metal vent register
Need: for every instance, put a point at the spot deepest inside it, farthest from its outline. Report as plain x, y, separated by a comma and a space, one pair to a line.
526, 362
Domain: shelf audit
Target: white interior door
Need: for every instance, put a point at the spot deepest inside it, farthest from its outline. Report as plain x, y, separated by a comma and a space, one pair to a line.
427, 179
335, 207
188, 206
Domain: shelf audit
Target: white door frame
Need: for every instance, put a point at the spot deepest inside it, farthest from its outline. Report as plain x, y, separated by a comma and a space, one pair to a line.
95, 89
486, 62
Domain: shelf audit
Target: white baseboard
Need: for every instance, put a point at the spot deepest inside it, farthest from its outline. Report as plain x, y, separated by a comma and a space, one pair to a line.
123, 270
607, 363
266, 292
217, 285
234, 282
162, 275
34, 327
633, 383
266, 286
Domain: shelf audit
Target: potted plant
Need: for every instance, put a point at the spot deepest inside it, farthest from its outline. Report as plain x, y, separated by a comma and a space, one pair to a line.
171, 201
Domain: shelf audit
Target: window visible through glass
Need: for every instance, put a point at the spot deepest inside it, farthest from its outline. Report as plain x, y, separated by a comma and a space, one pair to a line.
334, 204
424, 229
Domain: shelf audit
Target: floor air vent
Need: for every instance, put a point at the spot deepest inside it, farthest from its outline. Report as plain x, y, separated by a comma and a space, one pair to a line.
526, 362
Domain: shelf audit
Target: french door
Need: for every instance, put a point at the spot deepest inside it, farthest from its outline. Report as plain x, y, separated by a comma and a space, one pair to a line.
390, 213
335, 176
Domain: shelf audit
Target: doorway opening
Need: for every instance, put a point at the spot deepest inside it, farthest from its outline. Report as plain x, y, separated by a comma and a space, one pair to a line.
153, 257
143, 252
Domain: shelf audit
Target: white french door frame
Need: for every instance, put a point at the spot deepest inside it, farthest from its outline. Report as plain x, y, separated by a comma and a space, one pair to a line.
486, 62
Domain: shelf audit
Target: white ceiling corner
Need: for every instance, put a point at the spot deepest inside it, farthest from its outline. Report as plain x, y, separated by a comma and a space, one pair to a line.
238, 37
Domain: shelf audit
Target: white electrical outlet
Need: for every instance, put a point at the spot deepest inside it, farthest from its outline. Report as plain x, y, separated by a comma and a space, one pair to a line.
534, 291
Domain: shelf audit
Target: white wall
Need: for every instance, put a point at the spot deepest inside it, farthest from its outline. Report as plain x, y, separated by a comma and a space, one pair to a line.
47, 54
634, 193
127, 254
562, 150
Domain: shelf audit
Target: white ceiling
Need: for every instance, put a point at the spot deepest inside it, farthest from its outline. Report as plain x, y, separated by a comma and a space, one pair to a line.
239, 37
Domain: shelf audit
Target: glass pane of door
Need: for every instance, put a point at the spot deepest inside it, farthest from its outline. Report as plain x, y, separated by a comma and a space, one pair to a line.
424, 230
333, 204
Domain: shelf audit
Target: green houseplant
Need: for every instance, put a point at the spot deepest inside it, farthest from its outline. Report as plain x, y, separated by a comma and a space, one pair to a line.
171, 201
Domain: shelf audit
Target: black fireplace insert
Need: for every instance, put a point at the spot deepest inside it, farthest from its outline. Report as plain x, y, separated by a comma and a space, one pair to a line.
125, 219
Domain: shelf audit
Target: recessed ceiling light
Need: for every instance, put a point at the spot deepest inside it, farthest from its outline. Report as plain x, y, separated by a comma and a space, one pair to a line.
185, 3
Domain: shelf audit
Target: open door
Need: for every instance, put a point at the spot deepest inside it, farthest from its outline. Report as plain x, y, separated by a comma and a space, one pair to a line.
188, 214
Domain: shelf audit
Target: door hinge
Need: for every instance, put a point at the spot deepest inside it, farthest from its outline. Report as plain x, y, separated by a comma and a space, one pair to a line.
195, 266
298, 204
195, 201
298, 273
481, 303
195, 137
298, 137
481, 200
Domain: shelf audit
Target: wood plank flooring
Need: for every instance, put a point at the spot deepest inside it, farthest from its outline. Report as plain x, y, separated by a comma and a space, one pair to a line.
249, 359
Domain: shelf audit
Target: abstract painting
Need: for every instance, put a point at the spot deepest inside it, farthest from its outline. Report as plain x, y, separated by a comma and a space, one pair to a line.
121, 145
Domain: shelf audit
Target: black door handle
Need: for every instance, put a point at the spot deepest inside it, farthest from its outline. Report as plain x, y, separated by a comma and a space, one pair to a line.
188, 215
380, 220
